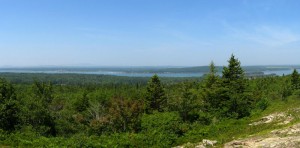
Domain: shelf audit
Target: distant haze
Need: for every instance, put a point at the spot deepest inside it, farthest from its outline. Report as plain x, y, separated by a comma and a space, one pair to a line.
148, 32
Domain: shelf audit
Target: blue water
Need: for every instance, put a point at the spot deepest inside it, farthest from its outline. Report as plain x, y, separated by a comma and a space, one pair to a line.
280, 72
133, 74
128, 74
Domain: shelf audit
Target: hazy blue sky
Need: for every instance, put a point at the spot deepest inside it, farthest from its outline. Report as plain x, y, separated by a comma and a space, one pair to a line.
148, 32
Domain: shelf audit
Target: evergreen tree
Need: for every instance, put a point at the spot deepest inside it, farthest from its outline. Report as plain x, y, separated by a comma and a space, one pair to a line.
186, 102
233, 76
286, 88
235, 100
209, 90
212, 77
43, 91
155, 98
82, 103
234, 71
39, 113
295, 79
9, 108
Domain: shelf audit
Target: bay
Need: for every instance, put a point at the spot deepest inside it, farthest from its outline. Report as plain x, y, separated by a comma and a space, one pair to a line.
129, 74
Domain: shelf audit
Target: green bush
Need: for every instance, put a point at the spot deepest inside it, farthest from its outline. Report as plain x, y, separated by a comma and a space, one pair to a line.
262, 104
161, 129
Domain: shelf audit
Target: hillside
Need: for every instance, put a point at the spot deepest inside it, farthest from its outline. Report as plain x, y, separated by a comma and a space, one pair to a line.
282, 128
276, 127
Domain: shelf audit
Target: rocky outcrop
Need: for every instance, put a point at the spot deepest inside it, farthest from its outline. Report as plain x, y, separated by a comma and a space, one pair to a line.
204, 144
282, 118
282, 138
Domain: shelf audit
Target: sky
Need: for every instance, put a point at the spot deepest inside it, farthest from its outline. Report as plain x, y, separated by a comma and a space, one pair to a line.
148, 32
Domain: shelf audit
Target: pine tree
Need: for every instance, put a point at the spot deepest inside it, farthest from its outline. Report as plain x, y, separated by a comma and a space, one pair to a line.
212, 77
43, 91
82, 103
9, 106
155, 98
210, 88
186, 103
295, 79
39, 110
234, 71
235, 100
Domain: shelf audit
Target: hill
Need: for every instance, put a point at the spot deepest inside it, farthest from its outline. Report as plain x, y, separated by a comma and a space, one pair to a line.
276, 127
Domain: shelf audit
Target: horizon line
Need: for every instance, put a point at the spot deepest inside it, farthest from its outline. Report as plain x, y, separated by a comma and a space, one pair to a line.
129, 66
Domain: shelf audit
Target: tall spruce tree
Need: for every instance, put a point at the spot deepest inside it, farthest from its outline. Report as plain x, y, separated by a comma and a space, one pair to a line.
209, 90
212, 77
155, 98
236, 102
234, 71
295, 80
